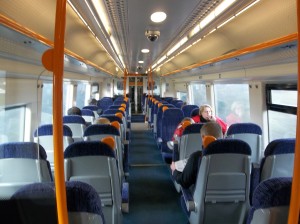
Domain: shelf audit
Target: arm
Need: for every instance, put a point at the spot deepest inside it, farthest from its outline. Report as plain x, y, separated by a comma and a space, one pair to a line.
188, 176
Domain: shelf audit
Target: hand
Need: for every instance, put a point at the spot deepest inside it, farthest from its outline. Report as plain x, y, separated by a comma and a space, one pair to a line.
213, 118
172, 166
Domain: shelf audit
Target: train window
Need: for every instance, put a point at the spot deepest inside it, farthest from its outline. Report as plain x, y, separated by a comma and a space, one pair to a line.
233, 106
82, 95
198, 93
182, 96
282, 107
13, 124
46, 116
46, 112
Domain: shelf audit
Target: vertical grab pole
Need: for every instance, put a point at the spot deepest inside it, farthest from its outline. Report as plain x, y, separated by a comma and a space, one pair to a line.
295, 195
58, 67
124, 82
53, 60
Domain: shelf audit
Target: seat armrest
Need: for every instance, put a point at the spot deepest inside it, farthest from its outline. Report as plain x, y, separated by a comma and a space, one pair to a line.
125, 197
188, 199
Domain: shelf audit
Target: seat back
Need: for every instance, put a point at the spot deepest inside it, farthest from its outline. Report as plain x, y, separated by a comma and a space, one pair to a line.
95, 163
44, 136
104, 103
76, 124
88, 115
190, 141
270, 202
22, 163
93, 108
187, 109
250, 133
96, 132
275, 164
83, 203
170, 119
222, 188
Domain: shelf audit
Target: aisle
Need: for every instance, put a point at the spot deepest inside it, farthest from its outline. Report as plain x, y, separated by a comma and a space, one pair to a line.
153, 198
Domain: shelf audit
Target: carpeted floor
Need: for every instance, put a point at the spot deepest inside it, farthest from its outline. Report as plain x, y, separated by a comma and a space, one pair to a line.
137, 118
153, 198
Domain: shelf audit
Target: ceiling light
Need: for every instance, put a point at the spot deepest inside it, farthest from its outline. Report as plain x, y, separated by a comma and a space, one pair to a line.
158, 17
145, 51
141, 62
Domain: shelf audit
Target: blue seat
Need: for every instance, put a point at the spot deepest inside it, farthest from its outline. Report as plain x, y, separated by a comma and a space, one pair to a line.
250, 133
88, 115
97, 132
274, 164
93, 108
77, 125
44, 136
95, 163
104, 103
83, 203
187, 109
270, 202
170, 119
194, 112
22, 163
222, 188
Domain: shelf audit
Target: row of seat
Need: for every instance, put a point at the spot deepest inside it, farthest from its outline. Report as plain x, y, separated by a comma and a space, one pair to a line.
93, 162
226, 183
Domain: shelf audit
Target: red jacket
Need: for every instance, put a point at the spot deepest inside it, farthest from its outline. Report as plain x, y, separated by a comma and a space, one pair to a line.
223, 125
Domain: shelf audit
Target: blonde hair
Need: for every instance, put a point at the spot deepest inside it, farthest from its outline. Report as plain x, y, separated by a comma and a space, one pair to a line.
203, 106
102, 120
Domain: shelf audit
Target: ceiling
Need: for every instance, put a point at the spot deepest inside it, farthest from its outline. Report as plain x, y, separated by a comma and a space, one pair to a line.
128, 21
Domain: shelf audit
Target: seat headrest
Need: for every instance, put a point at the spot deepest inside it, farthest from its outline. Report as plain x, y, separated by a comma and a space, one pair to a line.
280, 146
89, 148
227, 146
30, 150
241, 128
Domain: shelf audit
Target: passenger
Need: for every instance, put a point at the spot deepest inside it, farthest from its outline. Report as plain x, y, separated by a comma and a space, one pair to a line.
206, 115
236, 114
93, 102
185, 171
179, 130
101, 120
74, 111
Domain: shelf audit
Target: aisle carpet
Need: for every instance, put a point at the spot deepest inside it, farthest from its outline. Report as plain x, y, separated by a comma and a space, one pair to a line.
153, 198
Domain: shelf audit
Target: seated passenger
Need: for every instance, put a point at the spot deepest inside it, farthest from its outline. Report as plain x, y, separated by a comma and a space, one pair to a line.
236, 113
185, 172
179, 130
206, 115
74, 111
93, 102
101, 120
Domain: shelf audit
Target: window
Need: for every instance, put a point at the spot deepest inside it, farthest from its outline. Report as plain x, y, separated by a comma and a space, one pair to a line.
198, 94
182, 96
282, 107
13, 124
46, 115
82, 95
232, 102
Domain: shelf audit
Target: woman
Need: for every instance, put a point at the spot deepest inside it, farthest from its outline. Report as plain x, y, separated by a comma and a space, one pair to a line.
206, 115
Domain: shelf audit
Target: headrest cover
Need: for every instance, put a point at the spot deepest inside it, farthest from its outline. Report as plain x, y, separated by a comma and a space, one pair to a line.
110, 141
207, 140
165, 108
116, 124
120, 115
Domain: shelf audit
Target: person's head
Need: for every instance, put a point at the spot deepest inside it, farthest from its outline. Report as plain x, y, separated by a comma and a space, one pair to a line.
237, 108
102, 120
93, 102
74, 111
206, 111
211, 129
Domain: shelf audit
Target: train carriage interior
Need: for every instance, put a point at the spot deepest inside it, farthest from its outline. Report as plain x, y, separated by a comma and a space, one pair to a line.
106, 108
